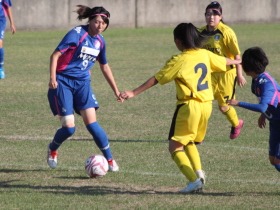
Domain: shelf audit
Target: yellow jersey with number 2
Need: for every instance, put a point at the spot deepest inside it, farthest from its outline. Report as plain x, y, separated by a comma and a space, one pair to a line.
191, 70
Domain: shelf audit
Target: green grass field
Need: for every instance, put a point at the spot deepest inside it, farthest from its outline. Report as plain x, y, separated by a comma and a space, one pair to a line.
238, 171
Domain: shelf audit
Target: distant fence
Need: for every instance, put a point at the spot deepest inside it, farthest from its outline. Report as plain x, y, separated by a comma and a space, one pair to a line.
58, 14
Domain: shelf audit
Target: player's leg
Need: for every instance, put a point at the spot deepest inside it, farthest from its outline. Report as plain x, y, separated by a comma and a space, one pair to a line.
226, 90
274, 144
2, 32
183, 131
60, 100
194, 157
87, 106
99, 136
191, 149
67, 130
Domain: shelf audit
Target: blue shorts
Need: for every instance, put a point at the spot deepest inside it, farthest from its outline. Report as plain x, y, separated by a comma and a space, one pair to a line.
2, 27
71, 95
274, 139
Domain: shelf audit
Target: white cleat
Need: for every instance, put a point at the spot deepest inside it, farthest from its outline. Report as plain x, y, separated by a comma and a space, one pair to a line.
52, 158
201, 175
113, 166
192, 187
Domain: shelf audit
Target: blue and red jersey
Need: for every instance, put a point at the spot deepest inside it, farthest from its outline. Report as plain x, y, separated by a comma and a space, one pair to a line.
79, 53
4, 5
267, 91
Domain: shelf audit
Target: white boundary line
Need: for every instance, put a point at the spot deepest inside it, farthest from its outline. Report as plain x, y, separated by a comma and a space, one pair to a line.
17, 137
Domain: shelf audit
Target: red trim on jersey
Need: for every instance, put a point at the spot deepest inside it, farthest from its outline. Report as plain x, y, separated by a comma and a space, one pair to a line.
65, 59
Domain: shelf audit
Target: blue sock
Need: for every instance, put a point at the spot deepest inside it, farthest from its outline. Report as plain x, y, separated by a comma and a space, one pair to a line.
100, 139
1, 57
61, 135
277, 167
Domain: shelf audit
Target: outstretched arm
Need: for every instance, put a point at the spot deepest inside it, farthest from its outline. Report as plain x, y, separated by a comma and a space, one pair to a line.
130, 94
107, 72
233, 62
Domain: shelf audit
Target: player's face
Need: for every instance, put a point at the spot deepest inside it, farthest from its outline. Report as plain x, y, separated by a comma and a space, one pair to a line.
96, 26
212, 20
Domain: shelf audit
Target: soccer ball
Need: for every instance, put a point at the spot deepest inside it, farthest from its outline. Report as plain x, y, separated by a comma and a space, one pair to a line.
96, 166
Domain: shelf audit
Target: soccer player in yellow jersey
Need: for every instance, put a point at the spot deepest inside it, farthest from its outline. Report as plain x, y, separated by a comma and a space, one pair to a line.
222, 41
191, 71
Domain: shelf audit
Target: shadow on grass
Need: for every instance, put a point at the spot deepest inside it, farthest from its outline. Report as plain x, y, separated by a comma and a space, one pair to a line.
109, 190
70, 190
17, 170
126, 141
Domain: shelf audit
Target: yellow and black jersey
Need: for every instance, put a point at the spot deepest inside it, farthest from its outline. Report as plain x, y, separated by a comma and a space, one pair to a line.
222, 41
191, 70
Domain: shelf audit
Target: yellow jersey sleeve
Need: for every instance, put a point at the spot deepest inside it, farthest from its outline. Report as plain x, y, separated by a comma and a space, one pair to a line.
217, 63
170, 71
230, 40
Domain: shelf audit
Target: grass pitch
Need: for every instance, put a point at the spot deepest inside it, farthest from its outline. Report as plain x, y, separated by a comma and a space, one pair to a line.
239, 175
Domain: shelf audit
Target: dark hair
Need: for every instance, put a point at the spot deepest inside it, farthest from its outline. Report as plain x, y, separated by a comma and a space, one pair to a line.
190, 37
85, 12
254, 59
215, 5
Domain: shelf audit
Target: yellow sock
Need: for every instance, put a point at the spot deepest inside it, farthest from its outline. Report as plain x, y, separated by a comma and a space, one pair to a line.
193, 155
183, 163
231, 115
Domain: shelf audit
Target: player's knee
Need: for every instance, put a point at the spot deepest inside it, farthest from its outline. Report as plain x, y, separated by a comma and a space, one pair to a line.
223, 108
69, 131
68, 121
277, 167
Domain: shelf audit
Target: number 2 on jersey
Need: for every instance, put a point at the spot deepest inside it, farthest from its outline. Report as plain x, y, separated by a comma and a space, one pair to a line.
201, 86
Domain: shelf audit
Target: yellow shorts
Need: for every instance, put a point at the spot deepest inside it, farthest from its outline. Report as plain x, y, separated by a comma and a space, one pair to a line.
190, 120
223, 85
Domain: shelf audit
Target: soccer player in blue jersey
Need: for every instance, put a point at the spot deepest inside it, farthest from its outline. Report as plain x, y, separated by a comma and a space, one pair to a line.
5, 11
191, 71
69, 85
254, 62
222, 41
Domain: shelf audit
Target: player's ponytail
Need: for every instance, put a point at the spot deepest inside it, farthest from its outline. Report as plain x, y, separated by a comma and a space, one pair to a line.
190, 37
85, 12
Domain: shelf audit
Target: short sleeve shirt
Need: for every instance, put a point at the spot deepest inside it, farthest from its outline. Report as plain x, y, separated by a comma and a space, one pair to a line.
191, 71
80, 52
222, 41
4, 5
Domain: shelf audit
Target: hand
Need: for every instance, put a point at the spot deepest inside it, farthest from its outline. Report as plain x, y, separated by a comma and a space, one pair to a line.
127, 94
233, 102
53, 84
261, 121
119, 98
241, 81
13, 29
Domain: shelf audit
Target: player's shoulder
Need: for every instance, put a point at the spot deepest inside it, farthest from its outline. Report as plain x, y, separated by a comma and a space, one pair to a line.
79, 30
225, 29
265, 79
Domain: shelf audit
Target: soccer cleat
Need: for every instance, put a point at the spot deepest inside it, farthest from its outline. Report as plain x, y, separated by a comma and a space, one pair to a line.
2, 74
201, 175
235, 131
52, 158
113, 166
192, 187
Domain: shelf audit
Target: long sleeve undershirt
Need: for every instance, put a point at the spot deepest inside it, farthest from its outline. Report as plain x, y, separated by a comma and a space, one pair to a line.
254, 107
